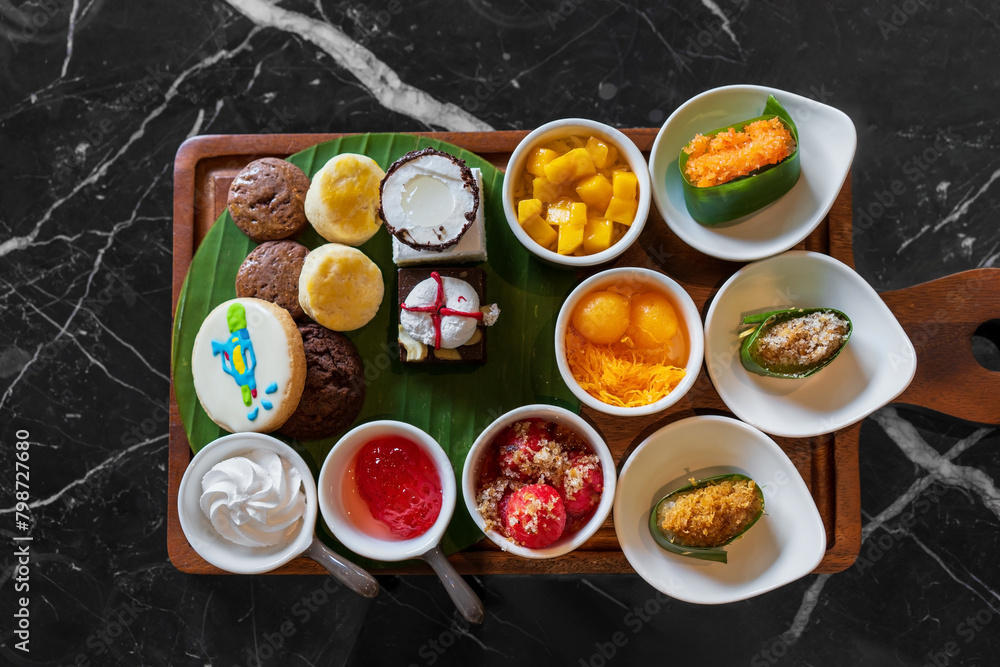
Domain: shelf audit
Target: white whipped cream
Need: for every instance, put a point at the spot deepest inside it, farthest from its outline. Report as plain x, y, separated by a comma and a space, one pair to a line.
456, 330
253, 499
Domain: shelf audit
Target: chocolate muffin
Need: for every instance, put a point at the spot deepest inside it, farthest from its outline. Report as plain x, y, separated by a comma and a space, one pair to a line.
267, 200
271, 272
335, 385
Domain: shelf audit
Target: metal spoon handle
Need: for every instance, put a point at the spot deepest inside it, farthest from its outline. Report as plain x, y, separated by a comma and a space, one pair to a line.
352, 576
468, 603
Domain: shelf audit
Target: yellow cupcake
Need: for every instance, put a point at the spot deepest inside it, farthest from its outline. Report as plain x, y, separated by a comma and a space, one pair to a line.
340, 287
343, 198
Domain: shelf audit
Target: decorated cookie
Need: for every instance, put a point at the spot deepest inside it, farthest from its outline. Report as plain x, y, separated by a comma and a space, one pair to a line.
340, 287
271, 272
267, 200
335, 385
248, 365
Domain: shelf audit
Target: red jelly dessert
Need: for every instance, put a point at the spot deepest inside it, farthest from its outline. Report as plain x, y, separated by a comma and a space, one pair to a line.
535, 516
531, 455
400, 485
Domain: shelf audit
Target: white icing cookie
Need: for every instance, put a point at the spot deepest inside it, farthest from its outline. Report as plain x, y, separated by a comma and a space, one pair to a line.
249, 366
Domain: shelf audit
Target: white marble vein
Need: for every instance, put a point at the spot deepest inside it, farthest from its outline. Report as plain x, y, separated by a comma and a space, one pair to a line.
956, 213
605, 594
939, 468
377, 77
22, 242
106, 463
73, 14
726, 28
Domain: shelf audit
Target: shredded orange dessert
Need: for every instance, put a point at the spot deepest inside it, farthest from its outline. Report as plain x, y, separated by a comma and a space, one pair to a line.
621, 375
711, 515
718, 159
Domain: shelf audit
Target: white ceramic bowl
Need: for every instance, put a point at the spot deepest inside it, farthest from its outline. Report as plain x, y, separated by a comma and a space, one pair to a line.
331, 478
787, 543
877, 364
827, 140
473, 462
558, 129
198, 529
681, 300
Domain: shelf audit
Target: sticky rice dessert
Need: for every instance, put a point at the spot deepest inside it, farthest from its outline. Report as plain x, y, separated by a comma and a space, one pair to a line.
711, 515
793, 343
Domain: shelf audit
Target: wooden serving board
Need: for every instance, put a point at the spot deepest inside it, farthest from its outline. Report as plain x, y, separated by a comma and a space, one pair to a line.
939, 317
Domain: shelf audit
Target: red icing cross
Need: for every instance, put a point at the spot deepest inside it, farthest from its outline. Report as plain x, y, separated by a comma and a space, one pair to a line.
437, 310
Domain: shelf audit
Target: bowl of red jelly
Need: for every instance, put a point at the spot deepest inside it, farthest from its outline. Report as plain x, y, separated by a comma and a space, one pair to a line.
539, 481
387, 491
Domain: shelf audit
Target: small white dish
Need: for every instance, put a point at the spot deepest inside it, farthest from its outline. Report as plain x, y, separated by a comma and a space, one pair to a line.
875, 367
827, 141
425, 546
787, 543
240, 559
473, 463
633, 276
558, 129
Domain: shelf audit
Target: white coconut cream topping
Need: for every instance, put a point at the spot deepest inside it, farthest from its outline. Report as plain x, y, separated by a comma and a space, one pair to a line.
456, 330
429, 200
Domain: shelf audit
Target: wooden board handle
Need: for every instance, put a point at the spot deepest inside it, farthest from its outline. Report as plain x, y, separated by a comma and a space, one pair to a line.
940, 317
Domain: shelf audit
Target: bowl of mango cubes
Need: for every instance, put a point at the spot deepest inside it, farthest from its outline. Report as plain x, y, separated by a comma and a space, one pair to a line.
576, 192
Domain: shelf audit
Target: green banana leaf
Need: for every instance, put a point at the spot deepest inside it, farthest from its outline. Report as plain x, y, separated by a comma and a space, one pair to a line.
742, 196
749, 348
452, 403
714, 554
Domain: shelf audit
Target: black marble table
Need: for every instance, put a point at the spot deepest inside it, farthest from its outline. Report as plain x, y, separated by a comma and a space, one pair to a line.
97, 95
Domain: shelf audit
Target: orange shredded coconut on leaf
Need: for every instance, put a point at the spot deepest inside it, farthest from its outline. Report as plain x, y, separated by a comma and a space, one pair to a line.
718, 159
620, 375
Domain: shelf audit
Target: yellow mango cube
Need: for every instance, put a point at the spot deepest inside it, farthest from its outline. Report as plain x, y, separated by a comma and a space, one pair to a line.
559, 213
572, 166
624, 185
621, 210
597, 235
544, 190
570, 238
602, 153
595, 192
577, 214
540, 231
538, 159
527, 208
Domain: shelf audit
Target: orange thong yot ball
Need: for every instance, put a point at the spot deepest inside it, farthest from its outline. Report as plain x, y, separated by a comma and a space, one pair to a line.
602, 317
653, 320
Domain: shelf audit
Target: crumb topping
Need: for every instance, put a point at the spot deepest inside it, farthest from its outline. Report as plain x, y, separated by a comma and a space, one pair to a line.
803, 341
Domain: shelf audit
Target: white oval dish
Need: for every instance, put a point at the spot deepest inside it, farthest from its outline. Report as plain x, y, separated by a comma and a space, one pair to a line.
688, 313
877, 364
470, 475
558, 129
827, 141
787, 543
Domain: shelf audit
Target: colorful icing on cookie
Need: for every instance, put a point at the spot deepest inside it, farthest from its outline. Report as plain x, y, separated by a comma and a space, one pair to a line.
238, 358
257, 344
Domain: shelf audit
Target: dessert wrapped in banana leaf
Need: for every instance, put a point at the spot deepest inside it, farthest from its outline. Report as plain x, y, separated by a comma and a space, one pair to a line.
735, 170
794, 343
698, 519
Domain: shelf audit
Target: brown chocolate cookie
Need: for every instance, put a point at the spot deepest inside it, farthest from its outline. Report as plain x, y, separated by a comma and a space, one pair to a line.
335, 385
271, 272
267, 199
